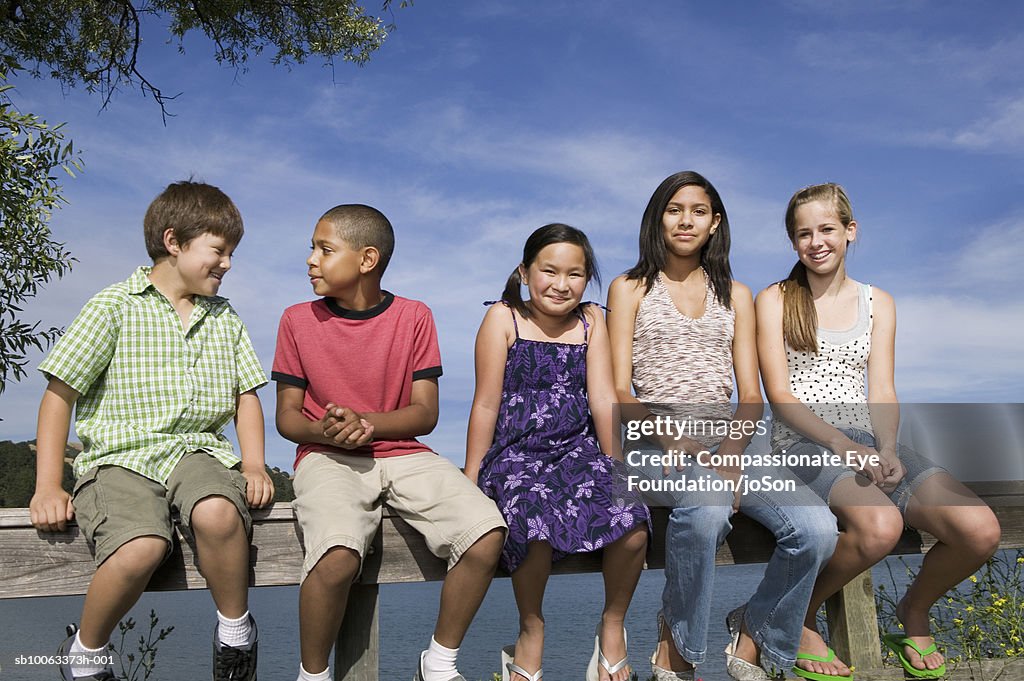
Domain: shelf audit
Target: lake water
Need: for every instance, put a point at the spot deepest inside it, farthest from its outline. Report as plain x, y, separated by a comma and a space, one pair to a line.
407, 611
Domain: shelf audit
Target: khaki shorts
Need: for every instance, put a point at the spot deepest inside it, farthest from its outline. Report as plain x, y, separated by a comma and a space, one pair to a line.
338, 501
114, 505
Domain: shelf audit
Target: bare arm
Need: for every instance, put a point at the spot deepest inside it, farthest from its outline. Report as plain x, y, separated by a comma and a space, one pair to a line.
295, 426
624, 298
50, 507
259, 489
771, 353
885, 411
418, 418
601, 393
750, 405
492, 342
882, 401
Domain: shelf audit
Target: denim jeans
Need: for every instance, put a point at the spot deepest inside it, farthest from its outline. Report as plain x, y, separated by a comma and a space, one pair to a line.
822, 480
805, 532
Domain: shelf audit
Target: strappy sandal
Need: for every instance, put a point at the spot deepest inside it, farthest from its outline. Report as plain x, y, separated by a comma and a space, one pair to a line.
897, 642
598, 658
738, 668
660, 673
509, 667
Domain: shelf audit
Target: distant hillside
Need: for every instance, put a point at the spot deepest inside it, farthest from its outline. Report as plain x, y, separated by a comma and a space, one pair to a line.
18, 474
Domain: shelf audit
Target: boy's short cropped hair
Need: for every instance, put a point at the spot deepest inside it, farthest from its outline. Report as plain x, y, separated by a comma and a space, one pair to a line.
360, 226
191, 209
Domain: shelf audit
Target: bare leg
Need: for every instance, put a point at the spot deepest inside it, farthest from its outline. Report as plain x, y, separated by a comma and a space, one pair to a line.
528, 582
968, 534
223, 551
117, 585
871, 526
668, 656
623, 560
322, 600
465, 587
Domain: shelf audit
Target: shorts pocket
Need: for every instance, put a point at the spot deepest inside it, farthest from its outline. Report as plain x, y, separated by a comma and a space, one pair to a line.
90, 503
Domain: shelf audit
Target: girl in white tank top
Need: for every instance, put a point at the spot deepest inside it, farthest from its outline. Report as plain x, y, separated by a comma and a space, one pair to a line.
815, 380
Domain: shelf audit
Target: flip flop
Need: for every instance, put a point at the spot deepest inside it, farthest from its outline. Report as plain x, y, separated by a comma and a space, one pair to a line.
896, 643
818, 676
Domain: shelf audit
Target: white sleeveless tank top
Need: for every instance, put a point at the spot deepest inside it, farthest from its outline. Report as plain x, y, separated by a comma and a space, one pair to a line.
832, 382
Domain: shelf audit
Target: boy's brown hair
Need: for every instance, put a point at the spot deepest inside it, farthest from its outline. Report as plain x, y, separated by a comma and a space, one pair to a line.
191, 209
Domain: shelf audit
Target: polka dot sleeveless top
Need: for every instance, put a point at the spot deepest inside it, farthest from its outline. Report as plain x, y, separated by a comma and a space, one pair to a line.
832, 382
680, 362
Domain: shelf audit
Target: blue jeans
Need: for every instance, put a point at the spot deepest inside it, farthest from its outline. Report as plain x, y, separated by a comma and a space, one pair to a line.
822, 480
805, 532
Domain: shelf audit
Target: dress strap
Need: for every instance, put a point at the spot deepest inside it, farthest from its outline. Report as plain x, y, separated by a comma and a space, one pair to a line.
868, 293
583, 317
515, 324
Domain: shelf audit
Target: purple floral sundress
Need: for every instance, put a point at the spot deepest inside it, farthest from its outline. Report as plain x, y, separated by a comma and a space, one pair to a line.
545, 469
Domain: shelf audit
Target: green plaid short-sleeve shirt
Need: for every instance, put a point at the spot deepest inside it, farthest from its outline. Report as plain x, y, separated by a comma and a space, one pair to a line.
151, 391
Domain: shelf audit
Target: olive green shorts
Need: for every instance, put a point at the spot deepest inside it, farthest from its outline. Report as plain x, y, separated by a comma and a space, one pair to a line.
114, 505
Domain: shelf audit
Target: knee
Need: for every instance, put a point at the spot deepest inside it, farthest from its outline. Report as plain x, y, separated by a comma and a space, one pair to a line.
705, 522
978, 530
877, 531
139, 557
485, 551
216, 519
532, 622
815, 536
635, 541
337, 568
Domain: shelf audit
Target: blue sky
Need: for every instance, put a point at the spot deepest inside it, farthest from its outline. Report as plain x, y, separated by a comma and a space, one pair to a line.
477, 122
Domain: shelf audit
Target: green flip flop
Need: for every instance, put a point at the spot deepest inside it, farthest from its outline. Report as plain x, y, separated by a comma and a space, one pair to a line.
896, 643
817, 676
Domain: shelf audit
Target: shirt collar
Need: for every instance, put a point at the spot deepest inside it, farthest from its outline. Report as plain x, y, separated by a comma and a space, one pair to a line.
369, 313
139, 283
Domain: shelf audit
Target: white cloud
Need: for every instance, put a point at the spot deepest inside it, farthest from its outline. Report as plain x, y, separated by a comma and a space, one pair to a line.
959, 349
993, 258
1002, 130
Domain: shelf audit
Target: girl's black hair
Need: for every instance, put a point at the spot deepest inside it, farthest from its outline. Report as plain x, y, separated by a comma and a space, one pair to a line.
714, 256
555, 233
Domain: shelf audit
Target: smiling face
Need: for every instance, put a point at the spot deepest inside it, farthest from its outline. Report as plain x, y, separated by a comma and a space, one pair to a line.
556, 279
819, 237
203, 262
334, 266
688, 221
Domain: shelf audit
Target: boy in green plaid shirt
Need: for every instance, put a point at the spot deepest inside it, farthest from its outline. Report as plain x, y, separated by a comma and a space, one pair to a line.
156, 366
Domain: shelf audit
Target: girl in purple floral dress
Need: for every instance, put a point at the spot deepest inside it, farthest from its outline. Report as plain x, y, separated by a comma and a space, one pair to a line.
543, 368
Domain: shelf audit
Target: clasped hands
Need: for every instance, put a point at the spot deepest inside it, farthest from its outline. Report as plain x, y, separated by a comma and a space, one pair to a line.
345, 428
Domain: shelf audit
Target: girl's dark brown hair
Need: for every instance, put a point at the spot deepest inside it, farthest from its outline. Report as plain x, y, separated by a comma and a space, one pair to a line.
714, 256
555, 233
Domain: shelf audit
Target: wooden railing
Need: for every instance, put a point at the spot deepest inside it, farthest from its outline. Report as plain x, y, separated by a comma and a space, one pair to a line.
52, 564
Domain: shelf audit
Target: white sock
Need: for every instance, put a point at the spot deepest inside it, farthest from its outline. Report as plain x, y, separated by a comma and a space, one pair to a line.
438, 662
325, 675
78, 649
234, 632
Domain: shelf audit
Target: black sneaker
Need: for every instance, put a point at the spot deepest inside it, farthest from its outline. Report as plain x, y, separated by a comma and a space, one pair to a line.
235, 664
64, 652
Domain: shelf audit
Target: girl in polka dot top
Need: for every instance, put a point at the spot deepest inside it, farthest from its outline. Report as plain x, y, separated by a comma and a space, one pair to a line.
819, 334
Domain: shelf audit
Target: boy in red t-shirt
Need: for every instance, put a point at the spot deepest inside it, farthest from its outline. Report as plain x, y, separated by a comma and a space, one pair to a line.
356, 376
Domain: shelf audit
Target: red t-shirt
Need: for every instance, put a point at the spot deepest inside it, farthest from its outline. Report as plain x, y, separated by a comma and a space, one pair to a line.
365, 360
